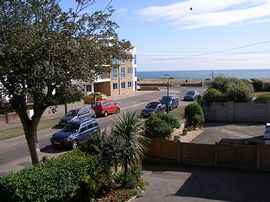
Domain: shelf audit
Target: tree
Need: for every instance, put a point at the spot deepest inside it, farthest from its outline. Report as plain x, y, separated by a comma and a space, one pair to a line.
129, 128
44, 50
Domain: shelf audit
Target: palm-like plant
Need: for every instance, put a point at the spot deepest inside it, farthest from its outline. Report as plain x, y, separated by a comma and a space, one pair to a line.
130, 129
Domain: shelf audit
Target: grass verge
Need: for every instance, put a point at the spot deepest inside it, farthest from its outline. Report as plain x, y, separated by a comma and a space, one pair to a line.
179, 113
18, 131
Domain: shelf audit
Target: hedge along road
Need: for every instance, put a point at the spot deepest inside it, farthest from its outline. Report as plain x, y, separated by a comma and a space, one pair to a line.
14, 154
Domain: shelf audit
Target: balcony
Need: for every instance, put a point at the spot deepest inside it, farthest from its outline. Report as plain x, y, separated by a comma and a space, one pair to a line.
105, 77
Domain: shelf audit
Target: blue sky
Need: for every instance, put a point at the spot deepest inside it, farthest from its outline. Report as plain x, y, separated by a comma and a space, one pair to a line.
214, 34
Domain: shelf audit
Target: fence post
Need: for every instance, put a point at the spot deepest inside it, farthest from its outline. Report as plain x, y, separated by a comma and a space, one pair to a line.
258, 157
216, 155
178, 152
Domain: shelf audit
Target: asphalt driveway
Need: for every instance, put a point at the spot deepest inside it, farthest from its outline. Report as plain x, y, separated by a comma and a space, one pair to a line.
231, 133
178, 183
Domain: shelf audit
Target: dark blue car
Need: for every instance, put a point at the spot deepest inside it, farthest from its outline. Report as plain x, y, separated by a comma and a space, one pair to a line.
151, 108
170, 102
75, 132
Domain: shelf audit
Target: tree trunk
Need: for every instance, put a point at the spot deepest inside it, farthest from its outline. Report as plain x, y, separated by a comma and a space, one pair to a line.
32, 142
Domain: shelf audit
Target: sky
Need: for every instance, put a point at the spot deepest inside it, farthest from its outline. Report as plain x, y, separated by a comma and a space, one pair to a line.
193, 34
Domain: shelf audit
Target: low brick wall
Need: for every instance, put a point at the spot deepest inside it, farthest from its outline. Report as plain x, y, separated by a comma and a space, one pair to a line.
237, 112
149, 88
253, 157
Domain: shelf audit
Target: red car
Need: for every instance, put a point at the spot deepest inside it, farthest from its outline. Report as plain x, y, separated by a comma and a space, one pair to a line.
105, 107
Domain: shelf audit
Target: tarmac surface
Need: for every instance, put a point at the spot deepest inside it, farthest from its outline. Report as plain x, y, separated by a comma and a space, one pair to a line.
179, 183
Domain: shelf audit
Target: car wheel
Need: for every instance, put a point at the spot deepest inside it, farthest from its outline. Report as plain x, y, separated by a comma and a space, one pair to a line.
117, 111
105, 114
74, 144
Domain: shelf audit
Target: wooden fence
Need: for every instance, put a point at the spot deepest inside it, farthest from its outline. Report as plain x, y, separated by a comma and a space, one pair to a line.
254, 157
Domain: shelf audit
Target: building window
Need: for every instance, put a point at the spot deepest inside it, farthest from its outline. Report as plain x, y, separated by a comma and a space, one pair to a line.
122, 72
122, 61
123, 85
115, 73
130, 84
88, 88
135, 72
130, 70
115, 86
135, 59
114, 61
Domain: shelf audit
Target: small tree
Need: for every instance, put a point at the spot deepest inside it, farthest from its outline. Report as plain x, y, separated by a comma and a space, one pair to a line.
194, 114
45, 52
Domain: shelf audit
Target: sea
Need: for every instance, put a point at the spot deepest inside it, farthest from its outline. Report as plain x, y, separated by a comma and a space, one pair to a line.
205, 74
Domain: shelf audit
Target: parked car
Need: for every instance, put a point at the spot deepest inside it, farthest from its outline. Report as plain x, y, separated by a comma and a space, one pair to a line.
75, 132
105, 107
83, 112
266, 136
153, 107
191, 95
89, 99
170, 101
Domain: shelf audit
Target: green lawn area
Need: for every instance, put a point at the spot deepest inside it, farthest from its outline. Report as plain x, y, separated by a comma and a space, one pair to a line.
256, 94
18, 131
179, 113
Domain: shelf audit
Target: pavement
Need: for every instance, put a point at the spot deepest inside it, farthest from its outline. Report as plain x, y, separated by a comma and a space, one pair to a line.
178, 183
240, 133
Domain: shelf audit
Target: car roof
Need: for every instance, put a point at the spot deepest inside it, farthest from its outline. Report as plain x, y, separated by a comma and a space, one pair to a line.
82, 120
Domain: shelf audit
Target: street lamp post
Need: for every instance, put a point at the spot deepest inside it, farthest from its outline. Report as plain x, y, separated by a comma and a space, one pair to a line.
168, 90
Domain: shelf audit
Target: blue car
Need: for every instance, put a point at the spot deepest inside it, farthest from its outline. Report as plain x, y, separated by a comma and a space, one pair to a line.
192, 95
151, 108
75, 132
170, 102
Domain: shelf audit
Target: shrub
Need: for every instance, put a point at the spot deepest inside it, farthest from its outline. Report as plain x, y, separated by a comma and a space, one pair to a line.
184, 131
233, 89
157, 128
72, 176
213, 95
258, 84
263, 98
169, 119
194, 114
240, 91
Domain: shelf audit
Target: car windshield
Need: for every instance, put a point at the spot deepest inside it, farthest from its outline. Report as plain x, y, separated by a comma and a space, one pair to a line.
71, 127
72, 113
152, 105
191, 93
96, 104
166, 98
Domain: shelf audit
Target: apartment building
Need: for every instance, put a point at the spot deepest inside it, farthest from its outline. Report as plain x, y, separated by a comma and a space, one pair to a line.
122, 80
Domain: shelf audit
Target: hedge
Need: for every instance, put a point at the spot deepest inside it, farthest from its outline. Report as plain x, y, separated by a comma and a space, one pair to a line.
74, 176
194, 114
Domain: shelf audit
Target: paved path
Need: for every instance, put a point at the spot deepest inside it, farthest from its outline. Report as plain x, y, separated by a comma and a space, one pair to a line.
177, 183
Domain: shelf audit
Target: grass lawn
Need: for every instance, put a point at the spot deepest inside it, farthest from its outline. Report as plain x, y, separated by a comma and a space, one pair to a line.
179, 113
18, 131
256, 94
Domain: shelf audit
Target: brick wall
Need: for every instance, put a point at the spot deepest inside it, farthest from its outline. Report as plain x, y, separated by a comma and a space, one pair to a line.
254, 157
237, 112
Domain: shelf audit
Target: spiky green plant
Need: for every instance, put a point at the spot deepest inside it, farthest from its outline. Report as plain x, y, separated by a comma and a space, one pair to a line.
129, 127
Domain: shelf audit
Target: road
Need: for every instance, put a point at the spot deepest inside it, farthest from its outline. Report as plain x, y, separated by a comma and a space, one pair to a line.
14, 154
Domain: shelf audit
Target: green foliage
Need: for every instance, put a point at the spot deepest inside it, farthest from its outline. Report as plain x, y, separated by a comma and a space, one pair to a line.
233, 89
5, 107
129, 128
72, 176
263, 99
240, 91
213, 95
169, 119
194, 114
157, 128
258, 84
184, 132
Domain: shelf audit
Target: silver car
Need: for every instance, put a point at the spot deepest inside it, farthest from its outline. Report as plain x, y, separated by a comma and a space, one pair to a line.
83, 112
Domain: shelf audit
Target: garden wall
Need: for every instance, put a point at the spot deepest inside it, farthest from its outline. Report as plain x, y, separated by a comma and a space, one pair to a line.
237, 112
254, 157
